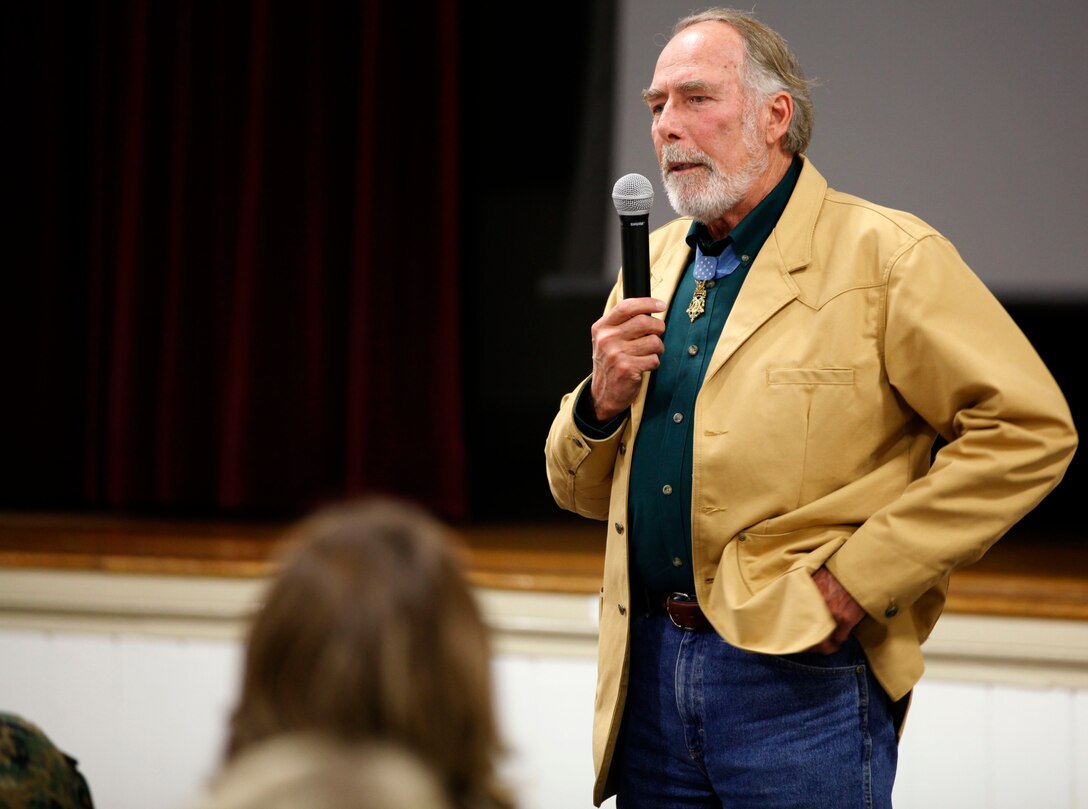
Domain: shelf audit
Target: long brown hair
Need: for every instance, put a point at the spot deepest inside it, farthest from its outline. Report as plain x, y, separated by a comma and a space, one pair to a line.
370, 631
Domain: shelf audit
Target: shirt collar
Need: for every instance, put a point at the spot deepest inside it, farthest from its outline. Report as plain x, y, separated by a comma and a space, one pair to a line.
752, 231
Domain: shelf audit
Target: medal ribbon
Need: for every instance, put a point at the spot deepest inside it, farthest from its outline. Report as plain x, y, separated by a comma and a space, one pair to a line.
709, 268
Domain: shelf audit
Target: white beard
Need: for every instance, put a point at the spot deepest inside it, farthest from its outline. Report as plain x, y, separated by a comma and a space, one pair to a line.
709, 194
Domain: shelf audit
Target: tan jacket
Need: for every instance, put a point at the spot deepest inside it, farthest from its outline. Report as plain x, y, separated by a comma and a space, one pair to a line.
858, 336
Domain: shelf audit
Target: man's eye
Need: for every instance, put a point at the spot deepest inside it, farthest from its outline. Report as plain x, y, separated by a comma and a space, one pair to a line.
655, 109
697, 99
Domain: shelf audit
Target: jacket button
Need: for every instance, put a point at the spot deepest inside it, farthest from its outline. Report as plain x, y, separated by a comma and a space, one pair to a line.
619, 528
623, 448
892, 611
742, 537
578, 443
622, 609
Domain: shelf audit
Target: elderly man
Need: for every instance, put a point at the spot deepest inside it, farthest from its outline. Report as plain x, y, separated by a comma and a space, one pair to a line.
758, 435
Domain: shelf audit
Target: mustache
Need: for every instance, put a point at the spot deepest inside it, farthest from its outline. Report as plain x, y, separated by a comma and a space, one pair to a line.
673, 153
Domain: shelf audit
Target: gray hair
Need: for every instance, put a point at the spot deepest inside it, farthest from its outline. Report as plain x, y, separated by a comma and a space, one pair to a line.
770, 67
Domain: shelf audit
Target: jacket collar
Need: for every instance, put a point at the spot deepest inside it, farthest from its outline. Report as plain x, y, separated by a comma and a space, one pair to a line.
794, 233
787, 249
768, 286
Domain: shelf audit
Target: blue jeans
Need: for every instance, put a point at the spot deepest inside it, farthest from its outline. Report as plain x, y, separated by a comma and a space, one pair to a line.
709, 725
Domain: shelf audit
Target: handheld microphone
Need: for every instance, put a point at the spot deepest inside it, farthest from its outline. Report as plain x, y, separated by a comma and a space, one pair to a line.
633, 197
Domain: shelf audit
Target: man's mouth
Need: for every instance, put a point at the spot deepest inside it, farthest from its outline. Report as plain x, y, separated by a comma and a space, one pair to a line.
682, 167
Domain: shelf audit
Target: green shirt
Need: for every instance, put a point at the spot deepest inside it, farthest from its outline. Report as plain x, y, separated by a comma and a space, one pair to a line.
659, 500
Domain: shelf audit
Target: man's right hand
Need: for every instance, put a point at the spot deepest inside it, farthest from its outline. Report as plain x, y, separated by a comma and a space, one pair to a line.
626, 343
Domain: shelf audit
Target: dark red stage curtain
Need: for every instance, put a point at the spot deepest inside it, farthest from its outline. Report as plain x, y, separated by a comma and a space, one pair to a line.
233, 276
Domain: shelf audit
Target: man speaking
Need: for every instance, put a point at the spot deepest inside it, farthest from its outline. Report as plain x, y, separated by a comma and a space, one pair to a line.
758, 434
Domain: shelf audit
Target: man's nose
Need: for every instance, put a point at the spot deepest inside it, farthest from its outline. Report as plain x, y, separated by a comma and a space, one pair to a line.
667, 124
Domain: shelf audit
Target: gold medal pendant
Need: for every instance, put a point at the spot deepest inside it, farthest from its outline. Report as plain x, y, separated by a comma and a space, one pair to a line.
698, 301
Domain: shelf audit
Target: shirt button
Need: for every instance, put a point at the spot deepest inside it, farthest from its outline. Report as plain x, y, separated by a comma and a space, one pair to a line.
677, 561
678, 417
623, 448
578, 443
892, 611
744, 258
666, 489
693, 350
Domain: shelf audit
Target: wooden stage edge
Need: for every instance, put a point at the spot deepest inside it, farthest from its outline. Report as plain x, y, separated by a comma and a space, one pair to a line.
1017, 578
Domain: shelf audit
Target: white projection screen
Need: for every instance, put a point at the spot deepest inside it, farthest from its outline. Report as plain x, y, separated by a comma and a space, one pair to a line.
971, 115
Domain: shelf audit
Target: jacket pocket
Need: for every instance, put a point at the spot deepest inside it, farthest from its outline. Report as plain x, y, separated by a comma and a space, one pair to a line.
810, 376
765, 557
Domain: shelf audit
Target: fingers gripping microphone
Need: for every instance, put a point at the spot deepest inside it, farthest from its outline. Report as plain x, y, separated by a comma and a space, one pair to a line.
633, 197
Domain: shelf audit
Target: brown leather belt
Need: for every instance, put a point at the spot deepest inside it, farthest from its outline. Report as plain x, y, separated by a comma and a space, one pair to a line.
684, 611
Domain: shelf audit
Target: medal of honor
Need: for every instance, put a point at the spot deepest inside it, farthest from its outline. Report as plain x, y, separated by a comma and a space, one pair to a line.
698, 300
706, 269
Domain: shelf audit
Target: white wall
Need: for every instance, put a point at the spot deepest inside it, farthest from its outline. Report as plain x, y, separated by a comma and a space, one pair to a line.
144, 716
140, 694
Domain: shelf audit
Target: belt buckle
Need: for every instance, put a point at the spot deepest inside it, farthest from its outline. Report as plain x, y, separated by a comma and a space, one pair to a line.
682, 598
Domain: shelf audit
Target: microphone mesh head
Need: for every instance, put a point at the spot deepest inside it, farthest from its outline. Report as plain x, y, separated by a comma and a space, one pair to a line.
632, 195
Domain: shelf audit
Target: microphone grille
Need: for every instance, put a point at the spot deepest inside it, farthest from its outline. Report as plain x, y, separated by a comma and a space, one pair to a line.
633, 195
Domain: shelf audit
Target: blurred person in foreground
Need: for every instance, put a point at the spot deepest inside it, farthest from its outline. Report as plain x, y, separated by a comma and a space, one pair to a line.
370, 633
34, 772
316, 771
758, 434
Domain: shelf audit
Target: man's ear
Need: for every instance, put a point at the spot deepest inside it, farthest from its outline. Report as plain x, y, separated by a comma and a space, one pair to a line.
779, 111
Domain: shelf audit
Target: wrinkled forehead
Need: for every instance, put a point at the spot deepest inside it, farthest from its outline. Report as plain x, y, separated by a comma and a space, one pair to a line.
709, 52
